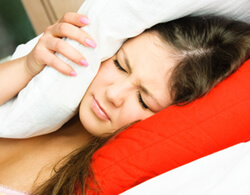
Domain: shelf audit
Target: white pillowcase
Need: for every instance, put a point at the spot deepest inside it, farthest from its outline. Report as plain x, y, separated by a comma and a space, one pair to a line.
224, 172
50, 99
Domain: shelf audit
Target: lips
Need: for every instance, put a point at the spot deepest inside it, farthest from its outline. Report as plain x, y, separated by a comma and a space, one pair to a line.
99, 111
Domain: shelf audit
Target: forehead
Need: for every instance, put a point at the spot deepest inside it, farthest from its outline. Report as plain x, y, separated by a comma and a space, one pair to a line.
151, 61
149, 52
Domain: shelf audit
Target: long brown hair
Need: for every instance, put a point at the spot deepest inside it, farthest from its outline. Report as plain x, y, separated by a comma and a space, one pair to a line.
209, 48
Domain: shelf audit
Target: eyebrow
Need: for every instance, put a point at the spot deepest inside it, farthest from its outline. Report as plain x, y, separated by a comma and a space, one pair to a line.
144, 89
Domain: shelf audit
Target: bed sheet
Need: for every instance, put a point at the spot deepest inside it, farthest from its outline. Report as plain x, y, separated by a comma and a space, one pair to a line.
225, 172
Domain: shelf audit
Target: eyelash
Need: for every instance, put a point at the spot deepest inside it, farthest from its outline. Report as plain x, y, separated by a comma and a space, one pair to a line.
141, 101
117, 64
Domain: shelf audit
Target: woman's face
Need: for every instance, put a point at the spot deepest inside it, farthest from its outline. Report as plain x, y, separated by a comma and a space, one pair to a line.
130, 86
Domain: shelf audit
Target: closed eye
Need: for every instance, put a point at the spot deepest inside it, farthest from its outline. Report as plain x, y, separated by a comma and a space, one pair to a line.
144, 106
117, 64
141, 101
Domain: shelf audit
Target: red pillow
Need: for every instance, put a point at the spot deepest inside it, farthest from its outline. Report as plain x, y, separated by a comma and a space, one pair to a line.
176, 136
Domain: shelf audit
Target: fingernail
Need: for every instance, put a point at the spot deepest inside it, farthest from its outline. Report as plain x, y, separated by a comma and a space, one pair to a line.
73, 73
84, 63
84, 20
90, 43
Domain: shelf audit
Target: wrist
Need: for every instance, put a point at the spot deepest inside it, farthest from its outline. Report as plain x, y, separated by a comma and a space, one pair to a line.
31, 67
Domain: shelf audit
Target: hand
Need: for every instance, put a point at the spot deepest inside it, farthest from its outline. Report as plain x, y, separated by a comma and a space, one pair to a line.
44, 52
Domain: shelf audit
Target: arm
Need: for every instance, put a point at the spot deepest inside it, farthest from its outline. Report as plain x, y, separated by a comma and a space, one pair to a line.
15, 75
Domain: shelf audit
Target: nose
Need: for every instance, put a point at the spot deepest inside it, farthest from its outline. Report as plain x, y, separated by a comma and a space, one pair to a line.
118, 92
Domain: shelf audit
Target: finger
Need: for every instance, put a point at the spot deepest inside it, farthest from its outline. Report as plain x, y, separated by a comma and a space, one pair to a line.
75, 19
72, 32
59, 45
53, 61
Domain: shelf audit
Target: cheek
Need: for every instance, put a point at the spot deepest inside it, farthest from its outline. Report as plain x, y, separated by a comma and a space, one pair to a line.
132, 113
83, 109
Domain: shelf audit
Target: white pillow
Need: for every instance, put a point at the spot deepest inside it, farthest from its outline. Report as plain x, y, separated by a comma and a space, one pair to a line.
51, 98
224, 172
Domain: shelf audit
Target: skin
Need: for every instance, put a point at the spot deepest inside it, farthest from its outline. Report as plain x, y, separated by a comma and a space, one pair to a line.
114, 88
25, 163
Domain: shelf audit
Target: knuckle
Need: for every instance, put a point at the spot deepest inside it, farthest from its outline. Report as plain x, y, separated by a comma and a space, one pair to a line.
42, 39
63, 27
40, 46
64, 18
47, 29
58, 44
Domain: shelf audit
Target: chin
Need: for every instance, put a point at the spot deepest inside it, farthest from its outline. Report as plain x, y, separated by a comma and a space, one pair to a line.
88, 125
92, 126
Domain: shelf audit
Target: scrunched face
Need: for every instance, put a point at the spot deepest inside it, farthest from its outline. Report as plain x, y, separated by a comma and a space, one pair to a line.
130, 86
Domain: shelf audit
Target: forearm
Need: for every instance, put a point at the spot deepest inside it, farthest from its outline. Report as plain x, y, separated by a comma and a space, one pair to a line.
14, 76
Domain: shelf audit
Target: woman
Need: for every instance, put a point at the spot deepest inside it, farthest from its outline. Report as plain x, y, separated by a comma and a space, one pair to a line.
171, 63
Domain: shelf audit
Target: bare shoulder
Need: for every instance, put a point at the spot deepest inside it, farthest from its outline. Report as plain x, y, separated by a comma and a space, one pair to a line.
29, 159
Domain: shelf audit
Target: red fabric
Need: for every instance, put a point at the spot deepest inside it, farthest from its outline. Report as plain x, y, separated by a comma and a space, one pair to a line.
176, 136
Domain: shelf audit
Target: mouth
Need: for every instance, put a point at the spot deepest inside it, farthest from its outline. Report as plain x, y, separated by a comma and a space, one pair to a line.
99, 111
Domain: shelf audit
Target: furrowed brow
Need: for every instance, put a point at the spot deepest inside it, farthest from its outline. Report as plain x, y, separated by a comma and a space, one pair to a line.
144, 89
